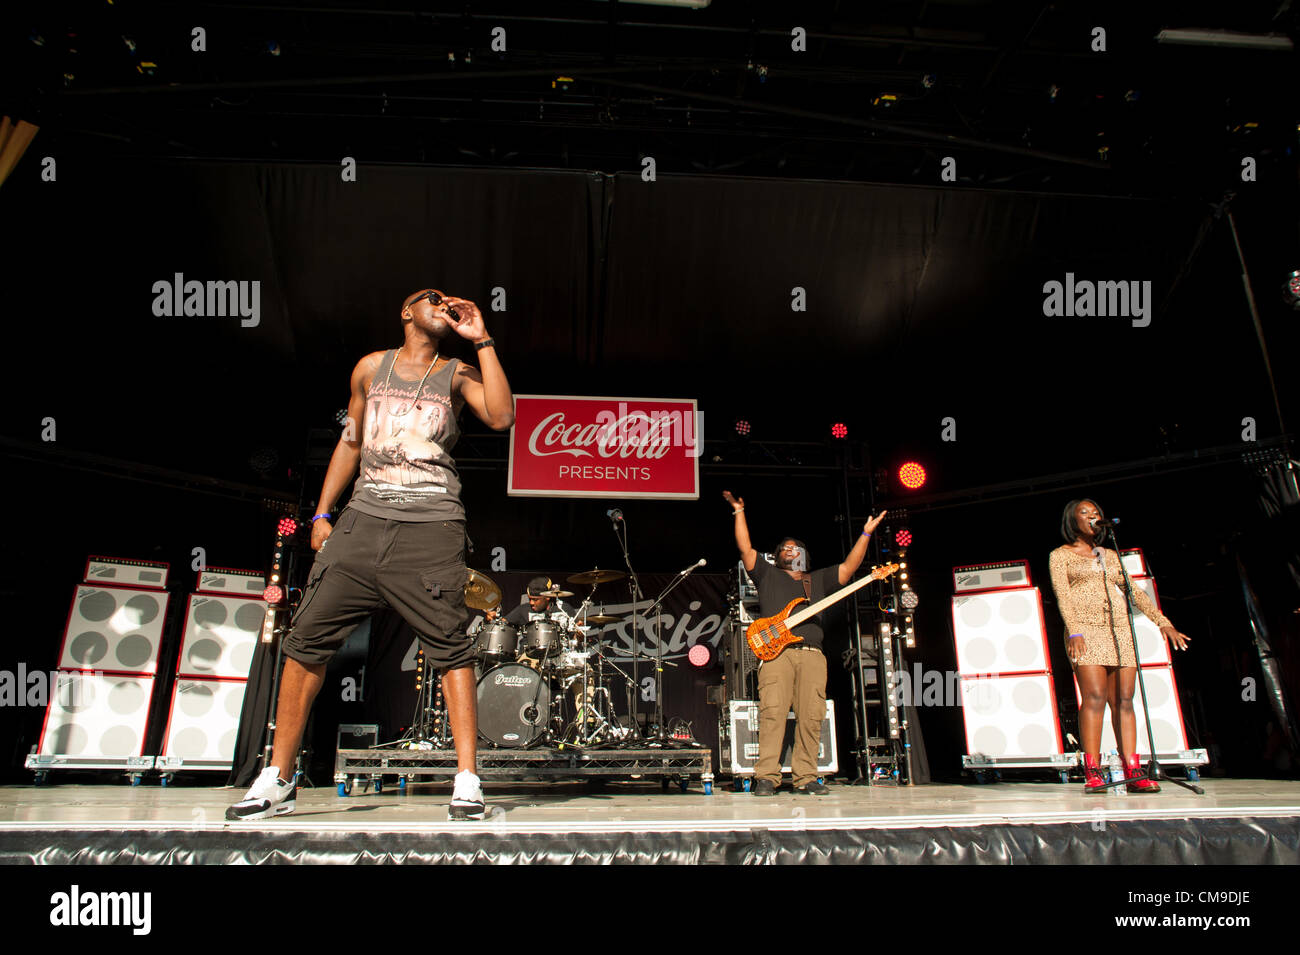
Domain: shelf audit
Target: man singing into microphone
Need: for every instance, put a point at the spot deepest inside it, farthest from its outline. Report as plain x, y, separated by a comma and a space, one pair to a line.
401, 539
798, 676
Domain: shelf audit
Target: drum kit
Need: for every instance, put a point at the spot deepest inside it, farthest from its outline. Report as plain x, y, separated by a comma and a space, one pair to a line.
546, 682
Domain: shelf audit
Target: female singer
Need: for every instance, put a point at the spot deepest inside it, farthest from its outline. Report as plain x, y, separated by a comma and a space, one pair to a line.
1099, 642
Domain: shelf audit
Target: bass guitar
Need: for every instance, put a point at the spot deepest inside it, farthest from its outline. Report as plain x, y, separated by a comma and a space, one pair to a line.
768, 636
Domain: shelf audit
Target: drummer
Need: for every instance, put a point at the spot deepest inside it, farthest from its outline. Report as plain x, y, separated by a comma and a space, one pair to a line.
541, 605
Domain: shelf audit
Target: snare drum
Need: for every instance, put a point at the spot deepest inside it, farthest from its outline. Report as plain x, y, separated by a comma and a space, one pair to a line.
541, 638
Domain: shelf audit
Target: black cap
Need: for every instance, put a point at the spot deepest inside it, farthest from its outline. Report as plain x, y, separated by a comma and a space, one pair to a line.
537, 585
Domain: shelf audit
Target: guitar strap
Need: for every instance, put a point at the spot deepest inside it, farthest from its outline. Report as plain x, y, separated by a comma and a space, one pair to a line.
807, 588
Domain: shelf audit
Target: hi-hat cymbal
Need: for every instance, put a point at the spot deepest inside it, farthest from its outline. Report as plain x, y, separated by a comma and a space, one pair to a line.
595, 577
600, 619
555, 593
481, 592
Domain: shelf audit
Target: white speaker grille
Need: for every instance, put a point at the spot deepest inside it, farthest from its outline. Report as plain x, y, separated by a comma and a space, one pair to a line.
114, 629
204, 719
221, 634
1010, 716
97, 716
999, 632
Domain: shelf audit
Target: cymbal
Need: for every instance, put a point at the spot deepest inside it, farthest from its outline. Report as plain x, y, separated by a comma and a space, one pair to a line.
556, 593
480, 592
600, 619
595, 577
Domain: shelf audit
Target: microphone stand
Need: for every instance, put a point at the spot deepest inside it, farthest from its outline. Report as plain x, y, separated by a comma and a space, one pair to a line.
634, 588
1154, 772
661, 737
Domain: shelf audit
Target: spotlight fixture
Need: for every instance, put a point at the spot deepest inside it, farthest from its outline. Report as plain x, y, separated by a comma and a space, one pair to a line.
903, 538
700, 655
341, 417
742, 427
273, 594
839, 430
287, 527
1293, 290
911, 475
909, 600
909, 633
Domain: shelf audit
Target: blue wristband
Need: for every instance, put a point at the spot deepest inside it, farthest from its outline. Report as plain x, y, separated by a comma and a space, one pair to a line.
1075, 636
319, 516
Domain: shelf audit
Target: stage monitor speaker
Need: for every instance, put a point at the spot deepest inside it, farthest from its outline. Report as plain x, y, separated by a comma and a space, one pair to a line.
1011, 716
221, 634
95, 717
744, 739
114, 629
202, 724
1000, 632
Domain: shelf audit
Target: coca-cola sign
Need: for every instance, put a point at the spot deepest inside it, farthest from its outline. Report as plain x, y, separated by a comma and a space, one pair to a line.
605, 447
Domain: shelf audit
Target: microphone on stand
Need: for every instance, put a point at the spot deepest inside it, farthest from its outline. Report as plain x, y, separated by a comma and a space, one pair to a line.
614, 515
695, 566
1104, 521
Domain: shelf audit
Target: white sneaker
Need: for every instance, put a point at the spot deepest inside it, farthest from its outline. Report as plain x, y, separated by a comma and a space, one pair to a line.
466, 797
269, 796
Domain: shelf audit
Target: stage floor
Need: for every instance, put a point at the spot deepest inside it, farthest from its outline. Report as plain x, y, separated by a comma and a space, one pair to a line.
635, 807
639, 822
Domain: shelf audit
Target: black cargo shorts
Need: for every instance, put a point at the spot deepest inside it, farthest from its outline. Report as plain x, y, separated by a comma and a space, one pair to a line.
415, 567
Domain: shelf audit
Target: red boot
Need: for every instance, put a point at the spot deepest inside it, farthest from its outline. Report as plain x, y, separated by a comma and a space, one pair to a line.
1092, 779
1132, 769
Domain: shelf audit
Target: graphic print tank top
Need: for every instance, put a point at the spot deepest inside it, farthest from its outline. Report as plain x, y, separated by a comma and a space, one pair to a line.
407, 471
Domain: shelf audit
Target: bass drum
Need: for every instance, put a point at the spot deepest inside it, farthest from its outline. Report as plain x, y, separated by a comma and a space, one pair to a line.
514, 705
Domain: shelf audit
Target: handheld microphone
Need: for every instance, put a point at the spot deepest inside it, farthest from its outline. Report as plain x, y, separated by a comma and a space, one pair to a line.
1104, 521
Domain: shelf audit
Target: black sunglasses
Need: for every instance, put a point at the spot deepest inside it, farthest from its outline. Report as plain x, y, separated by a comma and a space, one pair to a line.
435, 299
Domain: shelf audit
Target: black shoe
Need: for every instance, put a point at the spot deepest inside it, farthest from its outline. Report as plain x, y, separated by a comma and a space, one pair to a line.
814, 788
764, 787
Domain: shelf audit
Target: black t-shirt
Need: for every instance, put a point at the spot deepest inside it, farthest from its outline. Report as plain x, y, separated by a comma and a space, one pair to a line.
519, 615
776, 588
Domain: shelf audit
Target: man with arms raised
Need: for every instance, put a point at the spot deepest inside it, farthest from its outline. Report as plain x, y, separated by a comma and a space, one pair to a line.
798, 676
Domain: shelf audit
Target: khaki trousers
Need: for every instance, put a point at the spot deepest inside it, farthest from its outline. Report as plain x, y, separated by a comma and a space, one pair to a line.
796, 678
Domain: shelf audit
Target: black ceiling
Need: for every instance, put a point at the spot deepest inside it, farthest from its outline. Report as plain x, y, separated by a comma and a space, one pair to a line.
884, 91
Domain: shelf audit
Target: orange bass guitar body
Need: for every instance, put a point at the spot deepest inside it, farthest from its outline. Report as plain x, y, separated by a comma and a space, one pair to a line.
768, 636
